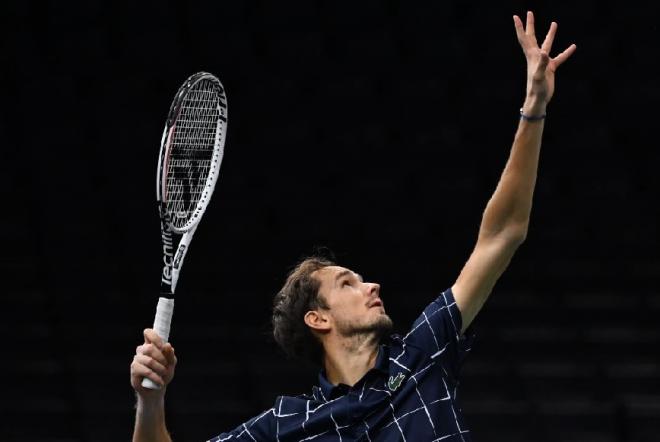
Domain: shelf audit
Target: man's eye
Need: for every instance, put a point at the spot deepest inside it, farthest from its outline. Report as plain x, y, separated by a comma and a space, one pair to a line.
345, 283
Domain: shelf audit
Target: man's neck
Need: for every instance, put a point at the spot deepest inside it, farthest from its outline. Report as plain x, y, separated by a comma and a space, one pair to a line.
347, 360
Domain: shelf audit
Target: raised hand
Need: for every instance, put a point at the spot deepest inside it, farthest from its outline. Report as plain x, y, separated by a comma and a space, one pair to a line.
154, 360
540, 67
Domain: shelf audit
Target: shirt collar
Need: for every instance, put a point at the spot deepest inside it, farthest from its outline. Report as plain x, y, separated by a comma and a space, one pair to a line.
330, 391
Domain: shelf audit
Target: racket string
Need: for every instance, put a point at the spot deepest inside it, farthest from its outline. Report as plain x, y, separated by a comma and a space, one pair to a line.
192, 143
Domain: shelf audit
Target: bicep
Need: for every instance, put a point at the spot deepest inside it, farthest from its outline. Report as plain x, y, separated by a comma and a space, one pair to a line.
481, 271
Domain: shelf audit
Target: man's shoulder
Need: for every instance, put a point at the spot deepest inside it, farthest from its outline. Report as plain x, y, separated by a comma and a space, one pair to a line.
404, 351
298, 400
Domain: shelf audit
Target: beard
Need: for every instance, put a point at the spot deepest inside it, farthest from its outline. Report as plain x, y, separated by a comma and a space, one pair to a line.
376, 328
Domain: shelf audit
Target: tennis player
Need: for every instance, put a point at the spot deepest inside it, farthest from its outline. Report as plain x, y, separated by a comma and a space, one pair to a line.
373, 386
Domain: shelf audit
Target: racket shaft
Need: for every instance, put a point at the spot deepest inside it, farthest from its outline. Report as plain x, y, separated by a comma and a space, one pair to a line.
180, 255
162, 322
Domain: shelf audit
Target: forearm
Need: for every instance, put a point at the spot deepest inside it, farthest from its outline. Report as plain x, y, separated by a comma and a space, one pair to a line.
150, 421
509, 209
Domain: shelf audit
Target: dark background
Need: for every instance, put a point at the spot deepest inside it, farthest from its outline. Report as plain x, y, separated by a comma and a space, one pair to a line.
375, 128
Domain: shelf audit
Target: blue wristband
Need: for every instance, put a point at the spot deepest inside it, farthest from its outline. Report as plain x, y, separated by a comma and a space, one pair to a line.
528, 118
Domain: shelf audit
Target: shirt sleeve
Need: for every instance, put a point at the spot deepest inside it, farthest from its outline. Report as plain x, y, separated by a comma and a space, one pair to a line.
437, 331
258, 429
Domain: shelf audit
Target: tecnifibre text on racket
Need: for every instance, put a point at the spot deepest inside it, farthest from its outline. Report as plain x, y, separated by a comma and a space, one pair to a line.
191, 152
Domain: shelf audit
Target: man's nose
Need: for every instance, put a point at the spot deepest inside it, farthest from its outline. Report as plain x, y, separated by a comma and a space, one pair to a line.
373, 288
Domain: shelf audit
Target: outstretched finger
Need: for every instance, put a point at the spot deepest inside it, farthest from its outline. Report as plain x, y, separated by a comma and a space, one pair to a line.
559, 59
520, 31
549, 38
529, 27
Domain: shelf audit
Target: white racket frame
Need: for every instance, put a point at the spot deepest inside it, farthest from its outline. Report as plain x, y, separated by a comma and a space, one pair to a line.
165, 307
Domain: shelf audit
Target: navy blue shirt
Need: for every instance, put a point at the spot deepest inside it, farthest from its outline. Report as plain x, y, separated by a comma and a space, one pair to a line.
409, 395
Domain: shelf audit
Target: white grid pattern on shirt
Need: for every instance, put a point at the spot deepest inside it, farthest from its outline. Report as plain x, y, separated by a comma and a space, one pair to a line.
448, 397
424, 403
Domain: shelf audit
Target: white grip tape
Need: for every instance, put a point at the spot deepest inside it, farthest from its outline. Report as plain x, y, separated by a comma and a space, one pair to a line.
162, 322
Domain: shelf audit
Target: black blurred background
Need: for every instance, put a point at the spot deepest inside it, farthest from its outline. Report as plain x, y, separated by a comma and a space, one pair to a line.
375, 128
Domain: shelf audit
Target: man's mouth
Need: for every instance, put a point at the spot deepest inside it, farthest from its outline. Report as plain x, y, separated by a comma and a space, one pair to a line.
376, 303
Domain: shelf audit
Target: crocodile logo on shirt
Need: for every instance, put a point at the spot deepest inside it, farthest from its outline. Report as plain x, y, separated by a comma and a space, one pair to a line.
395, 382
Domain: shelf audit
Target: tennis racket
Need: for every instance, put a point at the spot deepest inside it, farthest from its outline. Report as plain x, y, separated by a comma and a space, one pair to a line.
191, 152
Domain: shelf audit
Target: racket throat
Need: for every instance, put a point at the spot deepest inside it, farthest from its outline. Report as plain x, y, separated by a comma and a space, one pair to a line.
173, 262
176, 263
171, 266
168, 251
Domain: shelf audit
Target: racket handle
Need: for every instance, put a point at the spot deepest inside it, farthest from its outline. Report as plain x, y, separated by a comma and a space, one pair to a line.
162, 323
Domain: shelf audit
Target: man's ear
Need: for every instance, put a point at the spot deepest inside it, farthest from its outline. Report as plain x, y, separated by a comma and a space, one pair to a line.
317, 321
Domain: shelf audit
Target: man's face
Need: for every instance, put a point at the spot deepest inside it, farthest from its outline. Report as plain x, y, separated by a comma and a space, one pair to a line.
354, 306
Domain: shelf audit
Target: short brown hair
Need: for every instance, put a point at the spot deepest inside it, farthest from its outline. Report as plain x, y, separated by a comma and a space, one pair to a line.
299, 295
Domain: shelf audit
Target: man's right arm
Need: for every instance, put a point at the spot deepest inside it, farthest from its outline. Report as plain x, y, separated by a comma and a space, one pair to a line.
150, 421
156, 361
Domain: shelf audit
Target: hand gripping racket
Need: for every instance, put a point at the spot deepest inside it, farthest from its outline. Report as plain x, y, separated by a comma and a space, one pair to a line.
191, 152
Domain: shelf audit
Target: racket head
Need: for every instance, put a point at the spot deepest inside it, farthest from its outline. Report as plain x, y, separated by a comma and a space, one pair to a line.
191, 151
